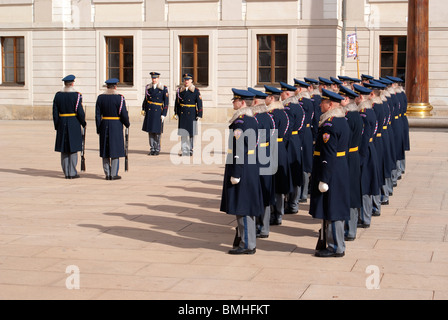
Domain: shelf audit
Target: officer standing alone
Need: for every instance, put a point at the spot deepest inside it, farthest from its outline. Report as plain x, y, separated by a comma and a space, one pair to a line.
155, 108
68, 117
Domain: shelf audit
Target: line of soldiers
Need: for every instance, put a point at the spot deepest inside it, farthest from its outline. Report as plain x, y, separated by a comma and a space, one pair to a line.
343, 137
111, 115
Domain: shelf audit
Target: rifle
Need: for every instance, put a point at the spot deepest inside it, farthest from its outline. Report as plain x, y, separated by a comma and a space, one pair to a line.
322, 242
126, 150
83, 151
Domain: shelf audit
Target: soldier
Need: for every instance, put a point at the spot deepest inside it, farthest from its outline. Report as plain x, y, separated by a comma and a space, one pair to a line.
154, 108
282, 178
316, 98
266, 127
369, 160
355, 124
306, 136
242, 194
68, 117
330, 190
188, 109
111, 114
335, 85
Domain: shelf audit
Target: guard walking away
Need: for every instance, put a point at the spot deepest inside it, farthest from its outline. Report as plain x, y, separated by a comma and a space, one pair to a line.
68, 117
110, 115
155, 108
242, 194
330, 189
188, 110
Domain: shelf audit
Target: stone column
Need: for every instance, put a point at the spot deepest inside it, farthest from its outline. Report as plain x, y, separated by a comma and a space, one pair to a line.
417, 59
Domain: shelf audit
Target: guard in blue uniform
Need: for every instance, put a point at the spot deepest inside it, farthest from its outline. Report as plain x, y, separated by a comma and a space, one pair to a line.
111, 115
155, 108
68, 117
268, 166
369, 159
283, 177
306, 136
330, 189
242, 194
294, 147
335, 85
316, 98
355, 124
188, 109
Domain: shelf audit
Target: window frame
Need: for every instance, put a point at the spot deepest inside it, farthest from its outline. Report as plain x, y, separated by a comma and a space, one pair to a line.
395, 53
121, 59
195, 59
15, 66
273, 66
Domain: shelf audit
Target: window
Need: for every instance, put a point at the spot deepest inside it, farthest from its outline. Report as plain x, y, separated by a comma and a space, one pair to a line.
120, 59
393, 56
272, 59
13, 60
194, 58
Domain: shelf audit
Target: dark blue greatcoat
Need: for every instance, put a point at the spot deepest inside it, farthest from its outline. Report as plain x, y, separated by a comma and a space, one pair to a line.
266, 125
330, 166
369, 160
188, 107
397, 127
294, 147
155, 105
317, 99
378, 141
403, 99
307, 135
283, 177
246, 197
68, 136
111, 131
355, 124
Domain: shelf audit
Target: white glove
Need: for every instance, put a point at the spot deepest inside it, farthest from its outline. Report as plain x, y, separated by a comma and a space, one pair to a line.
143, 113
323, 187
162, 118
234, 180
175, 117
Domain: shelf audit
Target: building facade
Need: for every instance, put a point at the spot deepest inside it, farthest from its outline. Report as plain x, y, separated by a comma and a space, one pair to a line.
223, 43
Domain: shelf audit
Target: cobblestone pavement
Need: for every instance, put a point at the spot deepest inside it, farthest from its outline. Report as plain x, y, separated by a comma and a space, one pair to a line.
158, 232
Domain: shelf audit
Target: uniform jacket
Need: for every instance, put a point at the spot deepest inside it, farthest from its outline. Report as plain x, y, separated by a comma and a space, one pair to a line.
317, 99
378, 139
283, 177
330, 166
355, 124
296, 116
188, 107
68, 116
155, 105
307, 134
390, 161
244, 198
397, 125
403, 99
369, 159
110, 115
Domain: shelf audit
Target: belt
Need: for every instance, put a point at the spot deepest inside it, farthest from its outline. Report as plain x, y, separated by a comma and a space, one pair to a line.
308, 125
156, 103
353, 149
399, 115
339, 154
405, 114
280, 140
371, 139
250, 152
396, 117
110, 118
378, 135
385, 128
264, 145
294, 133
64, 115
188, 105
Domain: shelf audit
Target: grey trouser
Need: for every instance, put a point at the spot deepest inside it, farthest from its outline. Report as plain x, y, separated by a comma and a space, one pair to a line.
154, 141
279, 206
246, 228
376, 204
263, 222
293, 199
304, 189
111, 166
351, 226
366, 210
335, 236
69, 161
187, 144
